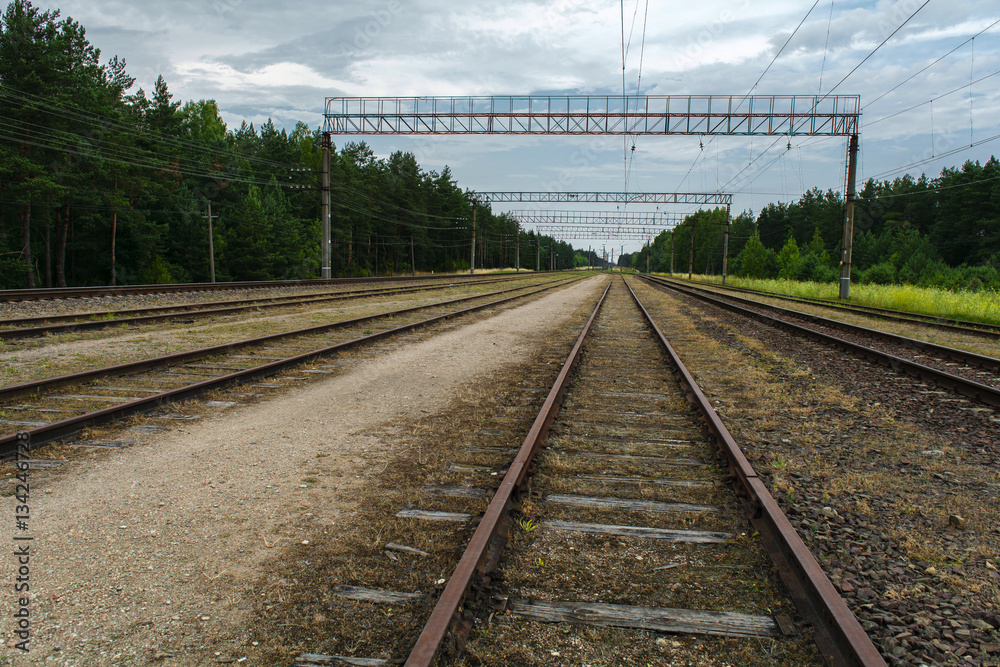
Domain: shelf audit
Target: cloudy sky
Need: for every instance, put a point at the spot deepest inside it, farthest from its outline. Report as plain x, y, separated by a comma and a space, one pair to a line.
262, 60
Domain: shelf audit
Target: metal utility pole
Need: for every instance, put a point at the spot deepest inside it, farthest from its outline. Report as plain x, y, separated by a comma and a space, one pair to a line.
649, 250
725, 249
671, 252
538, 252
517, 252
845, 262
413, 262
472, 257
211, 245
325, 209
691, 260
621, 251
552, 257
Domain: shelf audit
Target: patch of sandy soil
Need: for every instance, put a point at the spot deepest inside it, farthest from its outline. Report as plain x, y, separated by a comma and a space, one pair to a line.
149, 555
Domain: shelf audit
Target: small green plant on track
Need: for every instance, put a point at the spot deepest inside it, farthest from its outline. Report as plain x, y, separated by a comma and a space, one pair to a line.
779, 463
527, 525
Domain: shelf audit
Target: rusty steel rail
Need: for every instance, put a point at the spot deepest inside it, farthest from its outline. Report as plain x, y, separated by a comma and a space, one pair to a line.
78, 322
65, 427
961, 356
839, 636
483, 552
12, 391
46, 293
933, 321
963, 386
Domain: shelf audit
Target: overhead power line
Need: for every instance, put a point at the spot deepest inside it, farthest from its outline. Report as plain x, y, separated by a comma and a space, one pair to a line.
927, 67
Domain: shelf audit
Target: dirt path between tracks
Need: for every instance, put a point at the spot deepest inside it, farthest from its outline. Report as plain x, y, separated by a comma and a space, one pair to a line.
149, 555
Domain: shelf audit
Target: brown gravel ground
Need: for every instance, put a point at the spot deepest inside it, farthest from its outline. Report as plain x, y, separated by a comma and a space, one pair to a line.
156, 555
894, 488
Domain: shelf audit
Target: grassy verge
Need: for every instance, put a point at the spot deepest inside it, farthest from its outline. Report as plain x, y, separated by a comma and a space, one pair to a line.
972, 306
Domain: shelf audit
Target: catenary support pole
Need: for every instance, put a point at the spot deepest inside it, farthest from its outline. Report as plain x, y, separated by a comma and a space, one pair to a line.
472, 256
691, 260
325, 267
538, 252
211, 246
671, 252
845, 263
725, 249
517, 252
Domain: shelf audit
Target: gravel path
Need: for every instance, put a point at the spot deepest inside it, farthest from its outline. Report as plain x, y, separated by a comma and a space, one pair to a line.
153, 555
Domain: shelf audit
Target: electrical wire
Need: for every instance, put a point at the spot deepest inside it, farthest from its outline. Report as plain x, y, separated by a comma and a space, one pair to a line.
933, 99
863, 60
918, 163
924, 69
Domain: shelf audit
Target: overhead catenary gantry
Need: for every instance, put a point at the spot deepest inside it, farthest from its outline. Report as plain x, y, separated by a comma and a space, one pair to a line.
622, 115
696, 198
607, 218
704, 115
598, 232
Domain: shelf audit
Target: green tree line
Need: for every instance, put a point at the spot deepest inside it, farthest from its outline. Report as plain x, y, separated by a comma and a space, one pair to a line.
931, 232
100, 183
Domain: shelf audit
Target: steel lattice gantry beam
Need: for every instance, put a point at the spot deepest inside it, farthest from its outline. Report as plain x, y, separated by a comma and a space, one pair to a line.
705, 115
600, 232
697, 198
656, 219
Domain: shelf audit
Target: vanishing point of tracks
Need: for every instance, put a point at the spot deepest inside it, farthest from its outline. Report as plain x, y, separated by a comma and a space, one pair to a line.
611, 519
56, 407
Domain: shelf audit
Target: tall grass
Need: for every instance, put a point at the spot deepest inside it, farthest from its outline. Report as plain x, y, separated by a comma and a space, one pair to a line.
982, 306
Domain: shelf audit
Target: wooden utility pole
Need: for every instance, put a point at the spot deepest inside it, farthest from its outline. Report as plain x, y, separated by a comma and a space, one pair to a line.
845, 262
725, 248
472, 258
325, 266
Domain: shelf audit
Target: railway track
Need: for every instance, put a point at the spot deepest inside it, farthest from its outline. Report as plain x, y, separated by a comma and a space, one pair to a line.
45, 294
623, 526
55, 407
991, 331
30, 327
973, 376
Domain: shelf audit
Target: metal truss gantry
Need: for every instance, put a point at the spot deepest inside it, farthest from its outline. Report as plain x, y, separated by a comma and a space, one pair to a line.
655, 219
599, 232
696, 198
622, 115
705, 115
